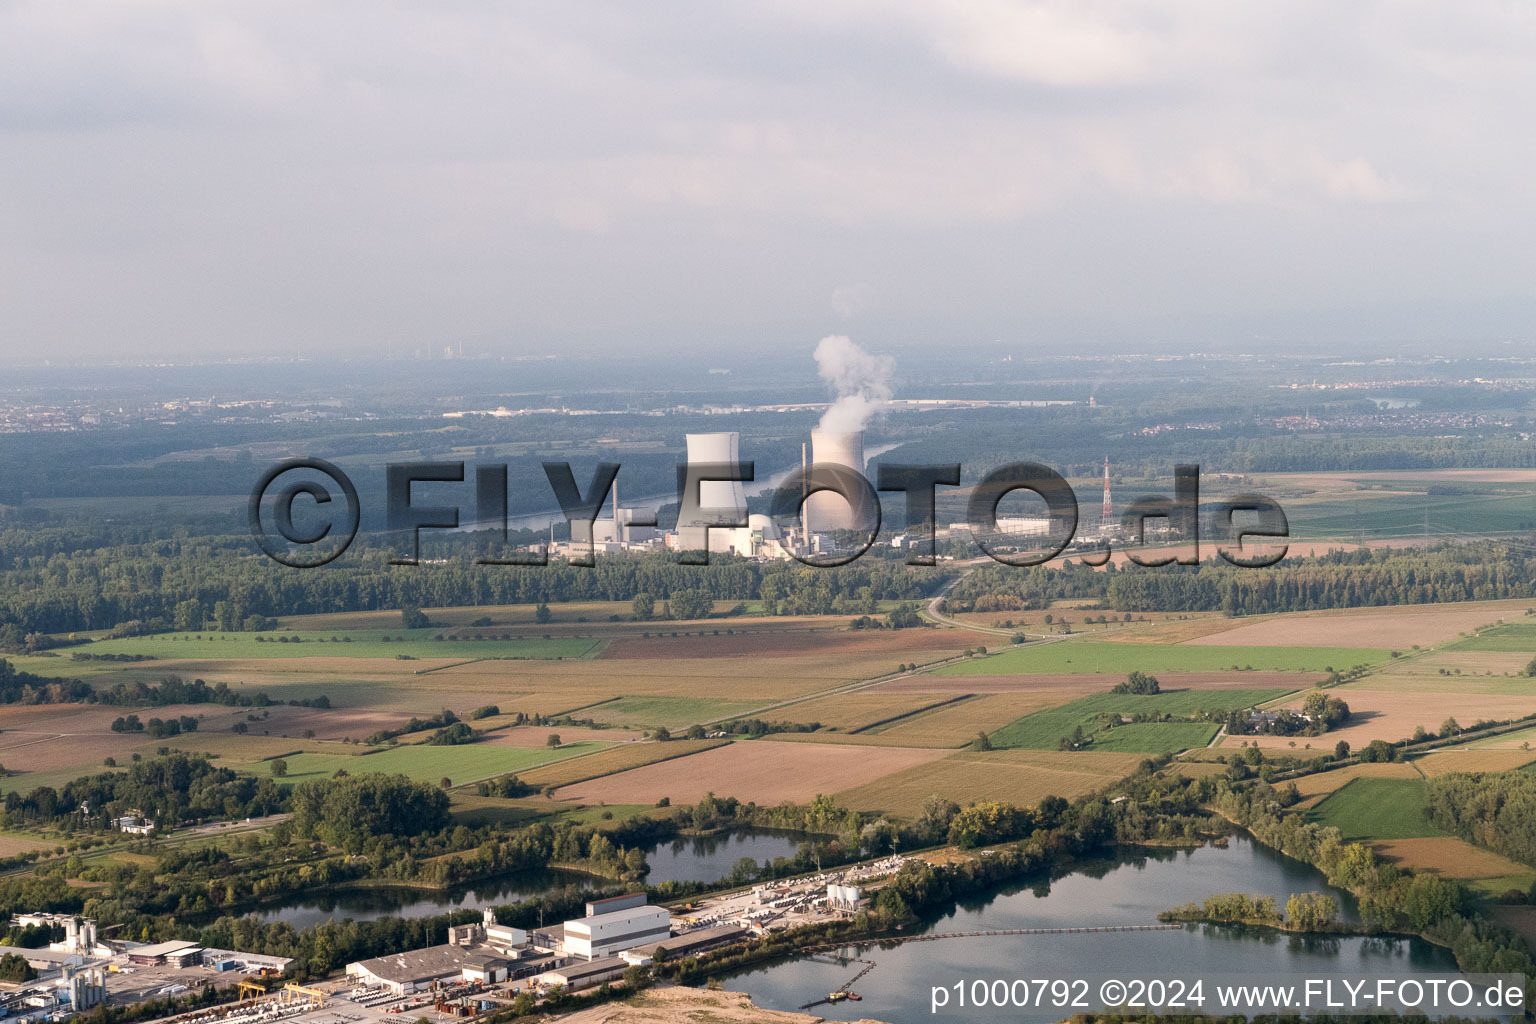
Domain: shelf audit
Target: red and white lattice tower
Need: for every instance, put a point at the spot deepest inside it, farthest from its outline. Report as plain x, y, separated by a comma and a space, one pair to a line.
1108, 514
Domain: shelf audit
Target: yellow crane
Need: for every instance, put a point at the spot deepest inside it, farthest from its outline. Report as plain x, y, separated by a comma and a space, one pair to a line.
292, 992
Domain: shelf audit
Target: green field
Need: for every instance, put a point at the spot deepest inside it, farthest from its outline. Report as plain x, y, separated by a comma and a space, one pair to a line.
1072, 657
1154, 737
1515, 637
1491, 508
344, 643
1044, 730
671, 712
429, 764
1377, 809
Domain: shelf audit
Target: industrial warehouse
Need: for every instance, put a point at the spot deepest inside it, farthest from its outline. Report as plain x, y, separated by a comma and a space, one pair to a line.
80, 971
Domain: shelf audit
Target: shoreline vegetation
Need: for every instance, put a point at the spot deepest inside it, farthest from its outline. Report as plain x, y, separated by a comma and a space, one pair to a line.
1314, 913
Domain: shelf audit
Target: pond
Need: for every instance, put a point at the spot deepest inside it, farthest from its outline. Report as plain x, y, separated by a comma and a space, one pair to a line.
691, 858
711, 858
1129, 889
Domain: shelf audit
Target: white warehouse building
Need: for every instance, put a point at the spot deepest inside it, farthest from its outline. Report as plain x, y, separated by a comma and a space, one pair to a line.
607, 934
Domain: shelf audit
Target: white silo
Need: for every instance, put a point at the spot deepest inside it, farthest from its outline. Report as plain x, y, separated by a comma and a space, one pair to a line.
720, 502
828, 510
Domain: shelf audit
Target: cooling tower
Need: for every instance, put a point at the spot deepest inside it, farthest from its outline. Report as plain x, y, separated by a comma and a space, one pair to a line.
721, 448
828, 510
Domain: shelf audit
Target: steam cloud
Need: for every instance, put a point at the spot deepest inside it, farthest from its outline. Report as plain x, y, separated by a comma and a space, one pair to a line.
862, 383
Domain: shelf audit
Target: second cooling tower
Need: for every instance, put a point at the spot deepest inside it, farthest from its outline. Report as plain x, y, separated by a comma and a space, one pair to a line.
826, 510
727, 495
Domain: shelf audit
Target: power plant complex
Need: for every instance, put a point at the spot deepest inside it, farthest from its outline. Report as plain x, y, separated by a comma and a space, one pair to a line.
717, 517
714, 516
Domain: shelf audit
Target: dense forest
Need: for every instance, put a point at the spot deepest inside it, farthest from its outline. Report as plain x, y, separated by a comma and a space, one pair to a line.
1496, 810
176, 787
184, 583
1339, 579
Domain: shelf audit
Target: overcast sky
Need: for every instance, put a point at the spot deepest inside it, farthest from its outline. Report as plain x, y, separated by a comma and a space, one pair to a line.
227, 178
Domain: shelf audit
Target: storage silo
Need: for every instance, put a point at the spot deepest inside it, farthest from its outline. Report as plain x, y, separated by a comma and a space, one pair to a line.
828, 510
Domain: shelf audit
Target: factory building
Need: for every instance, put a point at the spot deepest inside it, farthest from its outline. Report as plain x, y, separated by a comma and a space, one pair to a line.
420, 969
629, 901
605, 934
692, 943
586, 972
501, 937
79, 933
177, 952
83, 989
47, 959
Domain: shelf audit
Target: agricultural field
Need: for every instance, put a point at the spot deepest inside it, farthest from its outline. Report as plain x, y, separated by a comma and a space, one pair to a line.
851, 712
1044, 730
1450, 857
461, 764
1340, 504
1375, 808
538, 735
371, 643
1021, 777
75, 739
1511, 637
1072, 684
760, 770
1465, 673
1519, 739
1397, 627
669, 712
1314, 788
13, 846
956, 724
1183, 627
1072, 657
1468, 759
614, 760
1393, 715
1155, 737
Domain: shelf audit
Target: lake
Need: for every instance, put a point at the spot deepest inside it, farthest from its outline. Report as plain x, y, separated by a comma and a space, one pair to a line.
1129, 889
693, 858
710, 858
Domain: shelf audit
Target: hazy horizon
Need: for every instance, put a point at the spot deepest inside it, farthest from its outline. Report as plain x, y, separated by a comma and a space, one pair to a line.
186, 181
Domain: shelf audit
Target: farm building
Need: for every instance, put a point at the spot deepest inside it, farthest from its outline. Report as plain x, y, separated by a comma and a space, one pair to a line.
134, 823
420, 969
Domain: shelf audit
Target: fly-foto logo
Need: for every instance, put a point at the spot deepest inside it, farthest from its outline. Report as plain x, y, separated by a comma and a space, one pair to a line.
298, 521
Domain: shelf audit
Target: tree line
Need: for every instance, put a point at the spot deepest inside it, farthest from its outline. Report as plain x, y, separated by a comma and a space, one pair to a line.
218, 583
1480, 571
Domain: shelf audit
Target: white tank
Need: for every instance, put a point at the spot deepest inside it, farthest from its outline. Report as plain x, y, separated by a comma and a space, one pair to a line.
828, 510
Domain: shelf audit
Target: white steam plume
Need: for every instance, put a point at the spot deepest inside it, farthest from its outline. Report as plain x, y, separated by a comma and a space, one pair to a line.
862, 383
